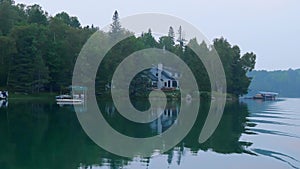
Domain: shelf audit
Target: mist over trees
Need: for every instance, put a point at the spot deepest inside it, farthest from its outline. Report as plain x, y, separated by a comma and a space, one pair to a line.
285, 82
38, 51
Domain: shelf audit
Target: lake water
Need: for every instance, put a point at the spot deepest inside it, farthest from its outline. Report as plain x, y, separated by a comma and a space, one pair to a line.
251, 134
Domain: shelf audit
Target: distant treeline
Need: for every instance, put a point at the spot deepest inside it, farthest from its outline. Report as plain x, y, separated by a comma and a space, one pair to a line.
285, 82
38, 51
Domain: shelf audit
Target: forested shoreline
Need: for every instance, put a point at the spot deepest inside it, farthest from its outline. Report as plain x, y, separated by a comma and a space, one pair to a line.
285, 82
38, 51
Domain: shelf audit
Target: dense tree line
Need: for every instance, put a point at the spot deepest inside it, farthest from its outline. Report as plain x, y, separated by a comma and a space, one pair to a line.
285, 82
235, 64
38, 51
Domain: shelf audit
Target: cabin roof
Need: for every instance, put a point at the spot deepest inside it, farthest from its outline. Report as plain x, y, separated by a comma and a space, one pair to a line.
164, 73
152, 77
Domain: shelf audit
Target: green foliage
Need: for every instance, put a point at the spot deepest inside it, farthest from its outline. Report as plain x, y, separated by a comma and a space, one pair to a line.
235, 66
7, 49
28, 71
196, 65
171, 33
116, 25
38, 52
166, 42
36, 15
7, 16
148, 40
70, 21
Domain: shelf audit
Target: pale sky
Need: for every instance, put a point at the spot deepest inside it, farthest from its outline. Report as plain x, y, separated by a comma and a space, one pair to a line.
269, 28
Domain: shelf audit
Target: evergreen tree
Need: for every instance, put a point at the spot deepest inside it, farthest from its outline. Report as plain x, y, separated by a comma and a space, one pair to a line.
38, 52
7, 16
40, 75
116, 25
70, 21
36, 15
28, 72
171, 33
167, 43
180, 39
148, 40
196, 65
7, 49
235, 66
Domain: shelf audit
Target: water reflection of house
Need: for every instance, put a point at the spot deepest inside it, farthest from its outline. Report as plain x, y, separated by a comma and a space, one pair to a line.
110, 109
167, 119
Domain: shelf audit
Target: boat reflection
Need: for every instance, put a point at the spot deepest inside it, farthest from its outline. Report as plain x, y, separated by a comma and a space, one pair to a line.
3, 103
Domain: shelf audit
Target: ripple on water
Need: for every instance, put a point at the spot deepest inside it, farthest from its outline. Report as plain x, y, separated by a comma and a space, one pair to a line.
279, 119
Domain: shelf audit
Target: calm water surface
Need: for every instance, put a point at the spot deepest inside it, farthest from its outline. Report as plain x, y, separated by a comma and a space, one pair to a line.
251, 134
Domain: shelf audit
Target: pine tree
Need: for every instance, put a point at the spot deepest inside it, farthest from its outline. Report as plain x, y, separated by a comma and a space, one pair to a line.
6, 16
171, 33
40, 74
116, 25
180, 39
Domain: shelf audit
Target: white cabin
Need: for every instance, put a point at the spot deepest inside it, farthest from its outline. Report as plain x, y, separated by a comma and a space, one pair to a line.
164, 78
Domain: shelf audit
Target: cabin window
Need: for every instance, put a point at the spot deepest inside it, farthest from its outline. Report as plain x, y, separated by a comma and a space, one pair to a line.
174, 83
165, 84
169, 83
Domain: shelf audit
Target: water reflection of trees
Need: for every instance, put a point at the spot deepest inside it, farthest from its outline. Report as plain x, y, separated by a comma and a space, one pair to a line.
226, 137
225, 140
43, 135
121, 124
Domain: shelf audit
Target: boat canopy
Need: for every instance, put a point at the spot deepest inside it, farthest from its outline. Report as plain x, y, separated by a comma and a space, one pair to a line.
268, 93
78, 88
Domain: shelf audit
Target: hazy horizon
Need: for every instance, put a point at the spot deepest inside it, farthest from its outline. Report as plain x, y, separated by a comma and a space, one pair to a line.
269, 28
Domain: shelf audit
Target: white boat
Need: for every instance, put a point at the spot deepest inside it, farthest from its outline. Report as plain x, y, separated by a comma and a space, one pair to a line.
3, 95
68, 99
74, 98
266, 96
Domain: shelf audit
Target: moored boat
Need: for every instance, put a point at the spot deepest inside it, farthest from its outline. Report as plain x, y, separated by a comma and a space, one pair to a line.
3, 95
266, 96
61, 99
76, 96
